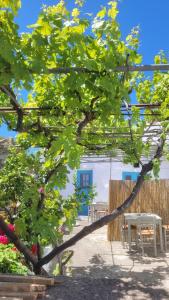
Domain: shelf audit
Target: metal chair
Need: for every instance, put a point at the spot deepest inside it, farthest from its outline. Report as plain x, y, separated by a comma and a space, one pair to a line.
165, 229
100, 210
97, 210
90, 213
147, 234
124, 234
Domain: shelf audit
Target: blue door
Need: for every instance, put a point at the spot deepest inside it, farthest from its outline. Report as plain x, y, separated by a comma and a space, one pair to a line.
84, 182
130, 175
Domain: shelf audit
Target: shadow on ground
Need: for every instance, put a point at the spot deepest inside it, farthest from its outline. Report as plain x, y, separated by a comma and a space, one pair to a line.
106, 271
104, 289
117, 282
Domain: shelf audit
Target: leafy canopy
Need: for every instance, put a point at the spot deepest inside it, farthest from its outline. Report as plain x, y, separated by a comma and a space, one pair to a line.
73, 108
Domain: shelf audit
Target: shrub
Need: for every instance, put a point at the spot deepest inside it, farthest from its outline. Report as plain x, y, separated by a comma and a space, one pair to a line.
10, 260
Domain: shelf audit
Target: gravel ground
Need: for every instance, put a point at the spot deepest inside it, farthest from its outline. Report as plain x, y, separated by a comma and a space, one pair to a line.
103, 289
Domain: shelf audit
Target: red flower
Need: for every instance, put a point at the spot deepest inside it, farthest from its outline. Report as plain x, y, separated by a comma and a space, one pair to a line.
34, 249
4, 240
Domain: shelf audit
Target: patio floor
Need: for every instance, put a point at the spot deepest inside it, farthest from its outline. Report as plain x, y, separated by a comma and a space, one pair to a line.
112, 272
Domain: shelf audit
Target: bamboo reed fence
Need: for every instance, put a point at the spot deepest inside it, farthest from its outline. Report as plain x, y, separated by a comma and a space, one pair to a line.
153, 197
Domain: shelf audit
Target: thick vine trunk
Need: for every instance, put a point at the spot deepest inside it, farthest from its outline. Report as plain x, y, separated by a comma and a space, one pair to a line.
37, 264
101, 222
109, 218
18, 243
7, 211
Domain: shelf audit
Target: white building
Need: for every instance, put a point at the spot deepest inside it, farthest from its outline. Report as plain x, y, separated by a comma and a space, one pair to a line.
98, 172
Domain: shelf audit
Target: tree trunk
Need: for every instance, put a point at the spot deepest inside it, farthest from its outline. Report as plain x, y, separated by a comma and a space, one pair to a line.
17, 242
97, 224
109, 218
37, 265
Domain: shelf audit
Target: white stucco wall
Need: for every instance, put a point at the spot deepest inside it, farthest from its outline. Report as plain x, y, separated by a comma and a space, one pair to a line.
103, 172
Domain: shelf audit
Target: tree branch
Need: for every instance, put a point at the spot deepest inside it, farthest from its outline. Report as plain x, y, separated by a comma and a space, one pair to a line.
109, 218
7, 211
53, 171
8, 91
128, 113
17, 242
89, 116
87, 119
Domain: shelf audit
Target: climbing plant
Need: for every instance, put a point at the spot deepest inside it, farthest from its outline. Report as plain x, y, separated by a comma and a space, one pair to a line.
78, 103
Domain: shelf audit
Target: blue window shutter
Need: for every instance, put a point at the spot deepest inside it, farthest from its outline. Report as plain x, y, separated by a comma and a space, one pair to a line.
84, 182
132, 175
85, 172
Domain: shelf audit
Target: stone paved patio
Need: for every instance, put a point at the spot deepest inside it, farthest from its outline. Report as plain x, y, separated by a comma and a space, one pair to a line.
113, 272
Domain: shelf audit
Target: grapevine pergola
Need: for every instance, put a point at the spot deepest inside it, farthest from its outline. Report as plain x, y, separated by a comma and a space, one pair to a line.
126, 110
78, 74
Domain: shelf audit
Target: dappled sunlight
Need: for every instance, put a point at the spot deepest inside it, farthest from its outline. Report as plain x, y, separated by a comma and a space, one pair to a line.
125, 274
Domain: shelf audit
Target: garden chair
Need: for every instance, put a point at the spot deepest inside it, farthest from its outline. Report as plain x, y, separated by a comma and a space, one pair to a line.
147, 234
124, 234
90, 213
97, 210
165, 229
100, 210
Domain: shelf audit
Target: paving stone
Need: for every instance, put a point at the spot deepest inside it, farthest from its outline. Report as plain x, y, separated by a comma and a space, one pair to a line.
122, 260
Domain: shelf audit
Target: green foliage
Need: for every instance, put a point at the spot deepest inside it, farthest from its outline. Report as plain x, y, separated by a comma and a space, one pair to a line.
20, 182
11, 261
14, 5
156, 167
61, 266
82, 197
79, 2
80, 111
60, 38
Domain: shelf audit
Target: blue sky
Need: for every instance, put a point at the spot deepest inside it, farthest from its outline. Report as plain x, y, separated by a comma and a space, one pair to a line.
150, 15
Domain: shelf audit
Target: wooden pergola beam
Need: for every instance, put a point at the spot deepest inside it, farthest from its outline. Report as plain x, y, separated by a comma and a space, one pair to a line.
123, 107
128, 68
142, 68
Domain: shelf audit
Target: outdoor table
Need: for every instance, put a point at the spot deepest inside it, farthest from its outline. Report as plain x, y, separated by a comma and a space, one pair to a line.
138, 218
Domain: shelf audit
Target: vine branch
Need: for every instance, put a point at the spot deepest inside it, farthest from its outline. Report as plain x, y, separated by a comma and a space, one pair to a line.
108, 218
9, 92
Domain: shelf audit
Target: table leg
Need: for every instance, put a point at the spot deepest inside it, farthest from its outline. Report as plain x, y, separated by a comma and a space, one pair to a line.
129, 235
137, 235
161, 237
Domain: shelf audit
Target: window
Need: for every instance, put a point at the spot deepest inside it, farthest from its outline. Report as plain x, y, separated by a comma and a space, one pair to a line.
84, 180
128, 177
